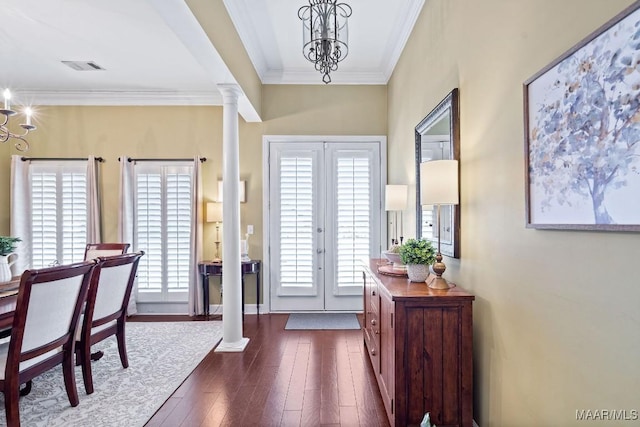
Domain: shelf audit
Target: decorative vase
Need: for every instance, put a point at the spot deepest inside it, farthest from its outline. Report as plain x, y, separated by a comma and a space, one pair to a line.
5, 266
418, 272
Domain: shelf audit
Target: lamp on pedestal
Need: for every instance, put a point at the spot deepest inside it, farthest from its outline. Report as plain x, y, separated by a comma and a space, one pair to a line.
214, 214
395, 199
439, 186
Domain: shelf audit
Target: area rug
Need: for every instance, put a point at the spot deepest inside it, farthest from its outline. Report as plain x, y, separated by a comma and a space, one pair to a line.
298, 321
161, 356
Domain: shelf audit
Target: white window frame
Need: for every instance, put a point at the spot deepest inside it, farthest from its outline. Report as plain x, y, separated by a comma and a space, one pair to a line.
164, 294
59, 168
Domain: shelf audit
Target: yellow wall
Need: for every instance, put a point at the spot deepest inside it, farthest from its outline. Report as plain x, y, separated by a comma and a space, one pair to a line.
556, 318
324, 110
163, 132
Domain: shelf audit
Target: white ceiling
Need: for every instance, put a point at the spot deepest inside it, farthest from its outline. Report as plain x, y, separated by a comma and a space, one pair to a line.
272, 34
154, 51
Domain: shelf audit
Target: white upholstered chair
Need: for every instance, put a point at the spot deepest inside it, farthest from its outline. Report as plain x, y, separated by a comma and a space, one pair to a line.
43, 331
106, 309
95, 250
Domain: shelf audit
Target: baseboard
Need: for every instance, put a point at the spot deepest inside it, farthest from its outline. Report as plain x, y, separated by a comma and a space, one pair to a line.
183, 308
162, 308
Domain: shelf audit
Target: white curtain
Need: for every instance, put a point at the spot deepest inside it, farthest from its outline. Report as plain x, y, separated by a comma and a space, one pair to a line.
21, 212
94, 229
126, 220
196, 305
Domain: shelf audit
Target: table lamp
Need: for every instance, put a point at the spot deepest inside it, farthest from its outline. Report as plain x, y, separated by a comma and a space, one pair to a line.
439, 186
214, 214
395, 199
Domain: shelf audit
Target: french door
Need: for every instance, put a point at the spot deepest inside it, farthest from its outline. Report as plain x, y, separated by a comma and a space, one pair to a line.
324, 215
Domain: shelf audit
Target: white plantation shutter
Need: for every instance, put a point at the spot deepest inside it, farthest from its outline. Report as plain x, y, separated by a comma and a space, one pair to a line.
74, 215
58, 212
296, 222
354, 218
427, 222
178, 224
163, 217
44, 218
149, 230
352, 183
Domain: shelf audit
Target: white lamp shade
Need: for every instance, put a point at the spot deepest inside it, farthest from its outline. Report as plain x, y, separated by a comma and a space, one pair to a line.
439, 182
214, 212
395, 198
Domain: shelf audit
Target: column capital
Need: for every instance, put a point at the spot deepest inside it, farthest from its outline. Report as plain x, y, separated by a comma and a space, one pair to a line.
230, 92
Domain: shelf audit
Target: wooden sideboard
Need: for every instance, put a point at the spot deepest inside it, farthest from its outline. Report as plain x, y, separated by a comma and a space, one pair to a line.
419, 341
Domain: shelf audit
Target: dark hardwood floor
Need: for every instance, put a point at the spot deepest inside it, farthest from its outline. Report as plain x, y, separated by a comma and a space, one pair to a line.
283, 378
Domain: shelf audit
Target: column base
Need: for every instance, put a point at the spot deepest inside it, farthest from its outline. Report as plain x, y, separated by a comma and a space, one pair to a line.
232, 347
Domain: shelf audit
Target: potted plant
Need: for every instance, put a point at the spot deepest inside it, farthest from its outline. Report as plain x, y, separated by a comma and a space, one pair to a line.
7, 246
418, 255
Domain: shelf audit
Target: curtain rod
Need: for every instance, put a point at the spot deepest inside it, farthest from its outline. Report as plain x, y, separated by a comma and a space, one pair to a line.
130, 159
24, 159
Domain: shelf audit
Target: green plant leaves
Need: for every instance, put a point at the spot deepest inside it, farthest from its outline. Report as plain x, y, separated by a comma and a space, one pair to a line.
7, 244
418, 251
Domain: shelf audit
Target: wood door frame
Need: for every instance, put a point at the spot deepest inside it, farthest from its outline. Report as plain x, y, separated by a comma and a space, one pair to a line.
266, 237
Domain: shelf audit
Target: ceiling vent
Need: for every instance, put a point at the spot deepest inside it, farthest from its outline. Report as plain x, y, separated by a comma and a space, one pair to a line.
83, 65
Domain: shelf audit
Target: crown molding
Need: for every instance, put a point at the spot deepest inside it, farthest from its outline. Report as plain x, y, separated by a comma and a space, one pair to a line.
116, 98
403, 27
315, 78
131, 98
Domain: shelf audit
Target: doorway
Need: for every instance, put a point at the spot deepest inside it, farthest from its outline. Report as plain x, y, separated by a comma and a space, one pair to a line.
324, 215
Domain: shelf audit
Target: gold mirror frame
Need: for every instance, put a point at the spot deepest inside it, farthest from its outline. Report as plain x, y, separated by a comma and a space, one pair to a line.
438, 137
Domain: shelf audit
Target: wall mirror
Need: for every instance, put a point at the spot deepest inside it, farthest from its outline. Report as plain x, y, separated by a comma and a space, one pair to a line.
437, 138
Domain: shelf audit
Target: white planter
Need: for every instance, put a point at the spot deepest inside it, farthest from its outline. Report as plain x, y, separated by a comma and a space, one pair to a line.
417, 272
5, 266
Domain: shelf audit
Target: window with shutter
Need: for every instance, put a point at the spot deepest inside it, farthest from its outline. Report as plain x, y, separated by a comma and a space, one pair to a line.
296, 222
58, 212
428, 226
163, 230
324, 201
353, 206
353, 200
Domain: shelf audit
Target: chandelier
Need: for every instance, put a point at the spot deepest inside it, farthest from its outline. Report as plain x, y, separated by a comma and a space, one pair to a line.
325, 34
5, 133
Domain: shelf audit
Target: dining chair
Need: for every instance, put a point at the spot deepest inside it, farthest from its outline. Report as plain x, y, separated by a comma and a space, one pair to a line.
44, 327
95, 250
106, 309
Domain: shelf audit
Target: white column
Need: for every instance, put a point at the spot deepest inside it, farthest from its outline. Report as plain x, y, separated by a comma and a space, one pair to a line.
232, 340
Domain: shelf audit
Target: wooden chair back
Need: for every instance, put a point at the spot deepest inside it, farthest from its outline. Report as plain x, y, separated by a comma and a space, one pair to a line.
44, 328
106, 308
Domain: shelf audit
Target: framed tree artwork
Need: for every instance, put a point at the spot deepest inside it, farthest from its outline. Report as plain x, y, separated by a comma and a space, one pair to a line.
582, 133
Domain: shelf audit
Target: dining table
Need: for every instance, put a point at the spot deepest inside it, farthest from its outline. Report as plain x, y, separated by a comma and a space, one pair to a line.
8, 300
